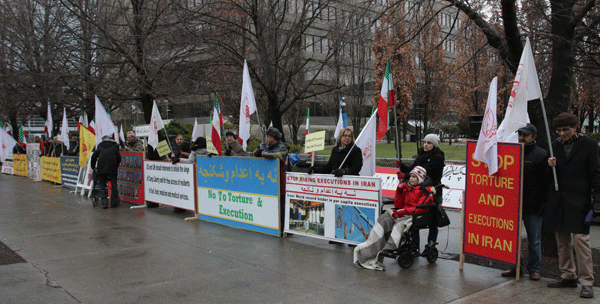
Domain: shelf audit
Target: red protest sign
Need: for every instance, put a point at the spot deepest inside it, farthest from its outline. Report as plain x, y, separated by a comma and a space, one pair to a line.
492, 209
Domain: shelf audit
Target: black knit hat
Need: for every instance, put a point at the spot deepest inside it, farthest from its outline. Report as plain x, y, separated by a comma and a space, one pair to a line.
565, 120
229, 133
274, 132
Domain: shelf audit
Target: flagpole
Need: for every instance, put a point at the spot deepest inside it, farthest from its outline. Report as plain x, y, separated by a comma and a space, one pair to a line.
549, 142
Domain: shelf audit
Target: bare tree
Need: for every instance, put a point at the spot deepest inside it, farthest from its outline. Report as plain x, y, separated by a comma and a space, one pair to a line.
288, 45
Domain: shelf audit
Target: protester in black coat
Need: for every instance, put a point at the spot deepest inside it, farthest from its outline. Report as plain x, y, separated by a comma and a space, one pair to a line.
570, 209
108, 158
350, 165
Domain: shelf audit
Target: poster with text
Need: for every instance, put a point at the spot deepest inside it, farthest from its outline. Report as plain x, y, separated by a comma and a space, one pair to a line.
7, 167
239, 192
20, 164
69, 170
51, 169
33, 161
130, 177
492, 209
343, 209
454, 177
171, 185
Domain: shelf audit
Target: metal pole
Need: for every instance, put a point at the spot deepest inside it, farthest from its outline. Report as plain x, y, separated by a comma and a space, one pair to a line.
549, 142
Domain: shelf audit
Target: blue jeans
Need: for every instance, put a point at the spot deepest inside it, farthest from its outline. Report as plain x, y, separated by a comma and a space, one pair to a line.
533, 226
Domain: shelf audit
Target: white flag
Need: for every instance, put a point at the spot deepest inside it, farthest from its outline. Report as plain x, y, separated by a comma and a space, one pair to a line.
7, 143
487, 144
366, 142
340, 125
48, 124
103, 125
196, 130
247, 107
121, 135
156, 123
526, 86
64, 130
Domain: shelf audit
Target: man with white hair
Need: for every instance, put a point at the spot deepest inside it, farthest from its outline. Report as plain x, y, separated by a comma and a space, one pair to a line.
133, 144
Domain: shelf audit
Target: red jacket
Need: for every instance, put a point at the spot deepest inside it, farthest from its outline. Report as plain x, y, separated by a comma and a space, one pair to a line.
407, 198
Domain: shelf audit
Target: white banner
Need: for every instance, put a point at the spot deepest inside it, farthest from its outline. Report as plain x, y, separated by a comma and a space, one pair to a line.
323, 206
171, 185
33, 162
7, 167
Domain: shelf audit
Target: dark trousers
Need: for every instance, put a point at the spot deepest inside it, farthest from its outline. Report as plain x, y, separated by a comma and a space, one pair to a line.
103, 190
433, 231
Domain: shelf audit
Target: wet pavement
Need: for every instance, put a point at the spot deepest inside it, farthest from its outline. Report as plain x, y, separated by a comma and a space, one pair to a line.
80, 254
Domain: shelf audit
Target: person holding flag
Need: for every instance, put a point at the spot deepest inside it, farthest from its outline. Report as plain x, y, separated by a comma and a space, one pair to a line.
133, 143
571, 207
346, 157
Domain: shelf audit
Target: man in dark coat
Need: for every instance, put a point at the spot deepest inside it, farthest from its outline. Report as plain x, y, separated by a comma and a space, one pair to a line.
570, 209
345, 159
535, 193
108, 157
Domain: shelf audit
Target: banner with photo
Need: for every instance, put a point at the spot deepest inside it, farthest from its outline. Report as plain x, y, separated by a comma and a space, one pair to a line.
171, 185
69, 170
33, 161
7, 167
239, 192
51, 169
131, 177
454, 177
323, 206
20, 164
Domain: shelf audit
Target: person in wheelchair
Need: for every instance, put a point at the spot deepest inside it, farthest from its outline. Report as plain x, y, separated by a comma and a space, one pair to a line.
388, 233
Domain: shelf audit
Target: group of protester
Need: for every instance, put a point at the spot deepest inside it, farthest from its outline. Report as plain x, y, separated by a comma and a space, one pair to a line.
566, 210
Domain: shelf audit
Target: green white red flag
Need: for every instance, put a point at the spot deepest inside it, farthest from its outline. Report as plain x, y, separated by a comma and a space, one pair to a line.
217, 122
386, 97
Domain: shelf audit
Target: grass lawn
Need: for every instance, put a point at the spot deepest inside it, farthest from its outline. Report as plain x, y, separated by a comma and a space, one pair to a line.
409, 149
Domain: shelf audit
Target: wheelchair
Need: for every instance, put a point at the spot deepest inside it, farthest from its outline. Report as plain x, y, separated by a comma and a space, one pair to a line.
408, 250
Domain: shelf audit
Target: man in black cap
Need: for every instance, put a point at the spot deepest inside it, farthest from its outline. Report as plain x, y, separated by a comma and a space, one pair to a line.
570, 209
233, 146
535, 193
273, 147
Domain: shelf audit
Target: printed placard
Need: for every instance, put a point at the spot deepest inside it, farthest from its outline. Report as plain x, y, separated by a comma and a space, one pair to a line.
69, 170
314, 142
131, 177
492, 210
323, 206
454, 176
163, 148
239, 192
171, 185
51, 169
7, 167
33, 161
20, 164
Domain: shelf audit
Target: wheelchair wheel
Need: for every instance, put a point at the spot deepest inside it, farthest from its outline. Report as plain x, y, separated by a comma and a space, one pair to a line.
405, 259
432, 255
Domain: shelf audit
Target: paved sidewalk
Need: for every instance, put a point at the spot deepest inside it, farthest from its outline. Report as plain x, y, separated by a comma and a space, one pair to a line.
80, 254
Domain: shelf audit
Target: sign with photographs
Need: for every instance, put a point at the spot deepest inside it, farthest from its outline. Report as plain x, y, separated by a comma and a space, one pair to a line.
131, 177
323, 206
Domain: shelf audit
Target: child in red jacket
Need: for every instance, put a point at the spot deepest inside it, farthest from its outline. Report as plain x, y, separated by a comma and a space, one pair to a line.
395, 221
